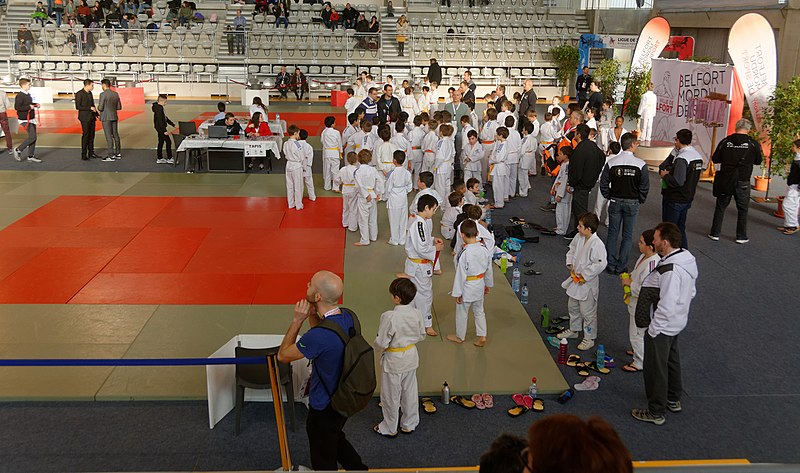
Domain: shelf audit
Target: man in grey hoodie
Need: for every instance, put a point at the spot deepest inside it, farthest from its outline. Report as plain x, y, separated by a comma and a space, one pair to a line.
663, 308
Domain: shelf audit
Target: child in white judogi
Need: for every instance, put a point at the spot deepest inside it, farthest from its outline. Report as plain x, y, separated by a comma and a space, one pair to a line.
415, 138
527, 161
514, 147
421, 251
443, 160
499, 169
400, 140
429, 146
424, 101
473, 155
399, 330
473, 191
504, 113
348, 132
473, 278
425, 186
456, 200
370, 189
409, 104
294, 154
308, 161
346, 178
384, 152
586, 259
369, 139
398, 185
559, 190
331, 152
485, 237
533, 120
605, 124
644, 266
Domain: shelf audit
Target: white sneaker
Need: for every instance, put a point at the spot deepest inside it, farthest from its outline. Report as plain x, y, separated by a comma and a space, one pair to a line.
17, 155
161, 161
585, 344
742, 242
567, 334
34, 159
713, 237
108, 159
170, 161
118, 156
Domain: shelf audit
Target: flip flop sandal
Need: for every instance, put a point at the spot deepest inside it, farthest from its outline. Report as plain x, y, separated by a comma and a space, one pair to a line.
533, 272
553, 329
593, 366
582, 369
377, 431
488, 400
528, 264
537, 405
559, 320
406, 431
554, 342
478, 400
428, 406
573, 360
630, 368
462, 401
519, 408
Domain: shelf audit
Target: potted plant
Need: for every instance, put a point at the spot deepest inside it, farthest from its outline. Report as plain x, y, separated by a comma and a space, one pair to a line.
780, 126
567, 58
637, 86
607, 74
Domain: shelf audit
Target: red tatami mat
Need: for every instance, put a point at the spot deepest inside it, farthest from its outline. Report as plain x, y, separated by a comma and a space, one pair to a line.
169, 250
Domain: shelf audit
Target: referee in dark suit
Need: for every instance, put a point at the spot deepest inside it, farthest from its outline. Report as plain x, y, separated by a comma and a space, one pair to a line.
87, 115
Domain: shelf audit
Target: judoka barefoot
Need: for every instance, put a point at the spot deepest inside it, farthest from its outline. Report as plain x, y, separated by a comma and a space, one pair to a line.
480, 342
430, 331
358, 243
437, 272
454, 338
402, 275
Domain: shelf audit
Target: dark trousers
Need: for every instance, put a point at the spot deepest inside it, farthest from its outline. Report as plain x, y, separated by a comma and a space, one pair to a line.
675, 212
284, 90
580, 205
662, 372
6, 129
328, 444
742, 197
622, 215
30, 141
163, 140
87, 137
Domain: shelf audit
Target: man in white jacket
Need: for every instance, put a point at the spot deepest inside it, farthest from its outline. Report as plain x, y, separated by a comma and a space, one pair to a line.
647, 110
663, 307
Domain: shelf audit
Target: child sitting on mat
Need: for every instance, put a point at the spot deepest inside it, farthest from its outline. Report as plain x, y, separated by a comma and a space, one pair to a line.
399, 331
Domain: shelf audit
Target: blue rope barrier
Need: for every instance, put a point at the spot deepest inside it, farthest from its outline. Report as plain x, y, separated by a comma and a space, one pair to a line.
254, 360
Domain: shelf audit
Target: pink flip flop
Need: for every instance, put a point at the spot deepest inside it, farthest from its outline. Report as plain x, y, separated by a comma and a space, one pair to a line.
527, 401
488, 400
478, 400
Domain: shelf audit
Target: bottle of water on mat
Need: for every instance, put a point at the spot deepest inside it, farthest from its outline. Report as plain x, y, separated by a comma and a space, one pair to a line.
601, 356
545, 313
515, 276
445, 393
524, 298
488, 217
532, 389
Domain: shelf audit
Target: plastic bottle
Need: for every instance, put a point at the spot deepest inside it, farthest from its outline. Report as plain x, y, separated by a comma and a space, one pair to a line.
488, 217
532, 390
601, 356
445, 393
524, 298
504, 263
563, 347
545, 313
515, 276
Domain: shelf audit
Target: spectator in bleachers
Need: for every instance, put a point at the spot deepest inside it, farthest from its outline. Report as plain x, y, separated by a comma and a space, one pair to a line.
230, 36
72, 42
40, 14
282, 82
349, 16
240, 25
261, 7
402, 31
84, 13
97, 13
362, 26
282, 15
70, 12
299, 84
328, 14
57, 9
24, 42
185, 14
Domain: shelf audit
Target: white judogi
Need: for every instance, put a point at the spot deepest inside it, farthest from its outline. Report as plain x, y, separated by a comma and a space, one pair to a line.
485, 237
488, 135
409, 105
293, 152
605, 123
465, 139
399, 331
473, 155
591, 123
470, 198
643, 267
564, 206
352, 104
347, 180
527, 161
448, 219
349, 130
355, 140
429, 150
421, 253
647, 110
474, 273
308, 160
535, 136
514, 145
331, 155
424, 103
369, 184
384, 157
415, 138
587, 257
501, 119
548, 134
412, 209
499, 173
612, 136
398, 185
443, 165
401, 142
369, 141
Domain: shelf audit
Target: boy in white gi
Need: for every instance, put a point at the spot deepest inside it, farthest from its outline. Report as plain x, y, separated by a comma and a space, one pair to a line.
488, 133
466, 127
425, 185
586, 259
646, 263
398, 185
424, 101
421, 252
443, 160
401, 143
474, 277
415, 138
473, 191
349, 131
555, 104
498, 173
473, 154
485, 237
429, 146
308, 161
399, 331
346, 178
605, 124
294, 154
527, 160
370, 187
533, 118
352, 102
384, 152
331, 152
409, 104
559, 190
504, 112
456, 200
514, 146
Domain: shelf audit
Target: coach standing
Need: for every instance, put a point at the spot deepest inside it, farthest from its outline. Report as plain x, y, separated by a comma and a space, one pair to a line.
87, 115
109, 104
585, 166
527, 101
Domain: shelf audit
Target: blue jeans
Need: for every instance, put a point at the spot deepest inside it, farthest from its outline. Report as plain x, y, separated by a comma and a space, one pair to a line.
283, 20
621, 212
675, 212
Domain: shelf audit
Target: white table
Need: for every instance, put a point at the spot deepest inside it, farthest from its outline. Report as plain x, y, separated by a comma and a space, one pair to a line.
250, 147
274, 126
221, 379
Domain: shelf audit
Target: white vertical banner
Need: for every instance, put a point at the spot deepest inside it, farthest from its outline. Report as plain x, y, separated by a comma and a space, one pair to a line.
751, 45
677, 83
652, 40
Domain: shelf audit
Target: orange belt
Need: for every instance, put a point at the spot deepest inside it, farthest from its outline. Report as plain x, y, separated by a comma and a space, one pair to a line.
416, 147
476, 277
429, 151
488, 142
420, 261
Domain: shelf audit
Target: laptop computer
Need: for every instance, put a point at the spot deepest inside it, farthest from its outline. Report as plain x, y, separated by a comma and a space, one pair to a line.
215, 131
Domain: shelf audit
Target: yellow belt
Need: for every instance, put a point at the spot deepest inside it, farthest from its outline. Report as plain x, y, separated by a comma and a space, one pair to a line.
333, 149
348, 185
370, 189
400, 349
476, 277
420, 260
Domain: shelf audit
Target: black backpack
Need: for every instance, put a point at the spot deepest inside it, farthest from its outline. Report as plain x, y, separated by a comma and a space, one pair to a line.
357, 382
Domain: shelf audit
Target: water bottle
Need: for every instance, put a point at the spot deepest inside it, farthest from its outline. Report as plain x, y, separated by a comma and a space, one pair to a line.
515, 276
504, 263
601, 357
488, 217
532, 390
278, 119
445, 393
545, 313
563, 346
524, 298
